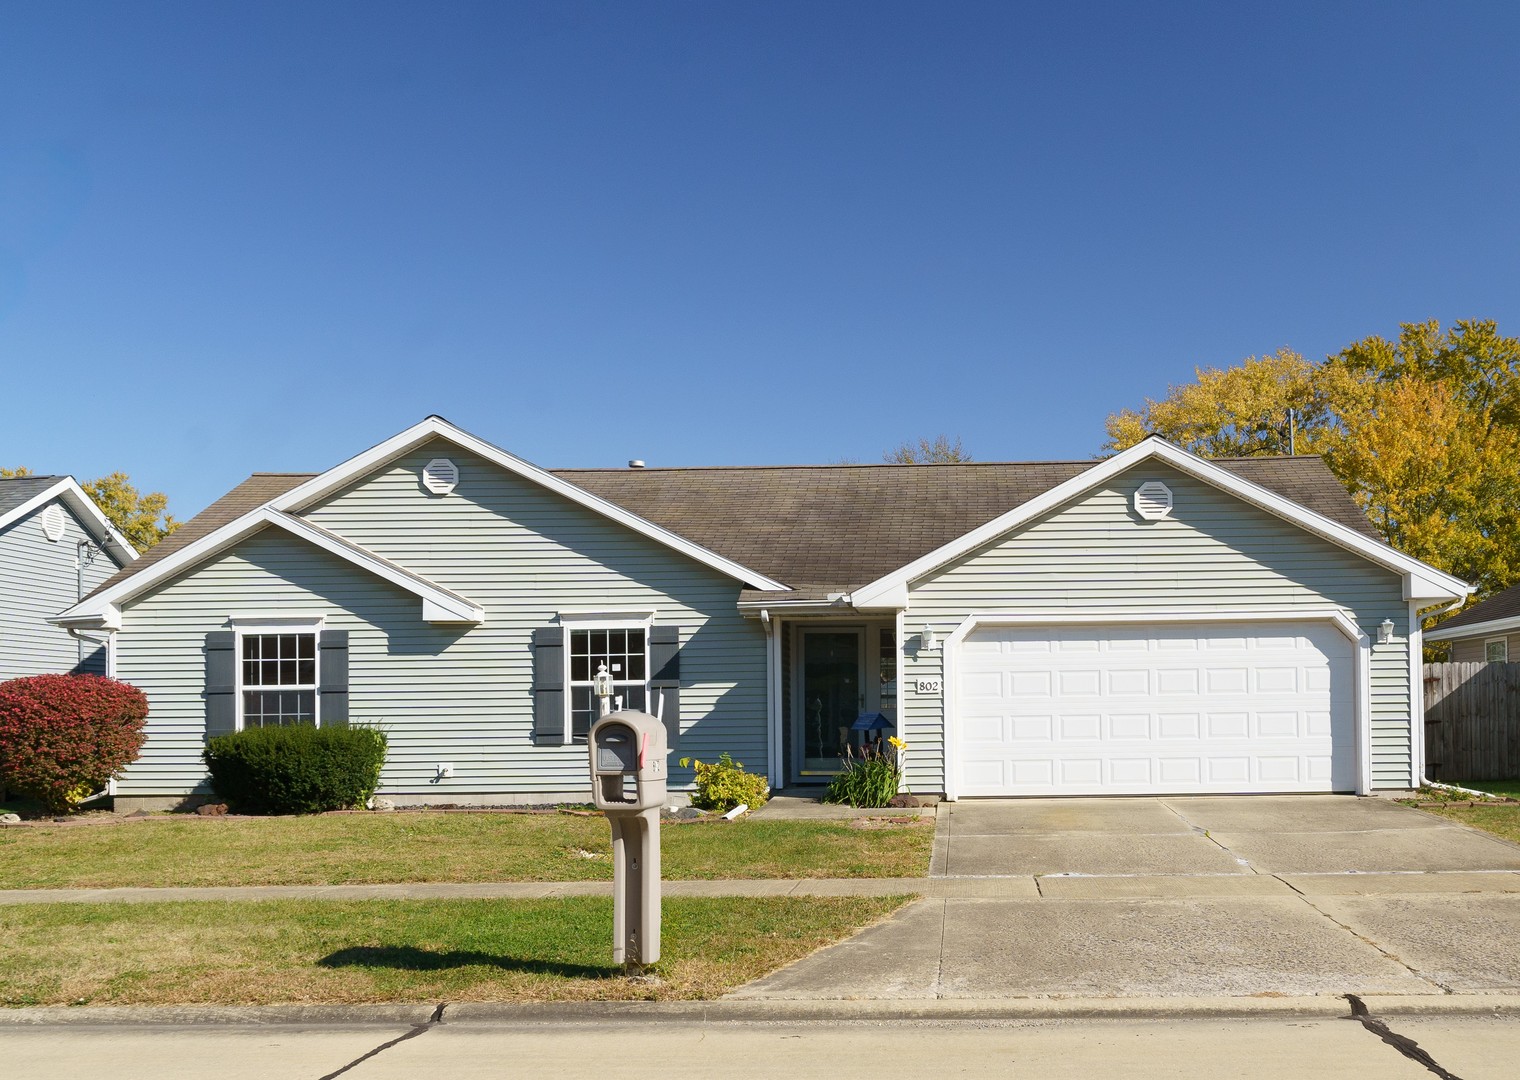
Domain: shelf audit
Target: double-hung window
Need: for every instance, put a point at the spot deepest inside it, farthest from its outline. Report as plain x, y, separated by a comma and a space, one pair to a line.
1496, 650
277, 676
624, 651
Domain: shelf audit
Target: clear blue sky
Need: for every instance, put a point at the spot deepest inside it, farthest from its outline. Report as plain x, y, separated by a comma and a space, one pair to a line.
264, 236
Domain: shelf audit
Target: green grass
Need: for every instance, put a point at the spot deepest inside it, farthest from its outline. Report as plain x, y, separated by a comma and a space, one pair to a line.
423, 847
282, 951
1505, 788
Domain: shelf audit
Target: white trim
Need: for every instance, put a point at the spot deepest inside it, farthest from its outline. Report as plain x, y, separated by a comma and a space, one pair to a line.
272, 622
1479, 629
1336, 617
1416, 697
304, 495
1502, 640
773, 702
612, 617
575, 622
438, 603
1421, 581
310, 624
900, 637
84, 508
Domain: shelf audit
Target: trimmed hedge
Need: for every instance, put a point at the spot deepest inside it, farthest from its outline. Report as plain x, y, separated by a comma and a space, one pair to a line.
297, 769
63, 736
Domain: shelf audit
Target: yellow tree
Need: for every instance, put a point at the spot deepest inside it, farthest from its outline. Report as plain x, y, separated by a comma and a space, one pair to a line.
141, 518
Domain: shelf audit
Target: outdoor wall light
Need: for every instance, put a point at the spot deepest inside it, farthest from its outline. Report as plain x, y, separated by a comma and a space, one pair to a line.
929, 640
1385, 631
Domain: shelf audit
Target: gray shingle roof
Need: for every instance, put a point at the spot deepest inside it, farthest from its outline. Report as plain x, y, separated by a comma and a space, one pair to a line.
820, 528
16, 490
1501, 605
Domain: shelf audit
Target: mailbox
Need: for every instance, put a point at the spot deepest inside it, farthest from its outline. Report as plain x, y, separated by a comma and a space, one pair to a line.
627, 751
628, 762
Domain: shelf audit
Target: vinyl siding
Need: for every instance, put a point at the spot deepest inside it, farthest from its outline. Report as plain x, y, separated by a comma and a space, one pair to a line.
1214, 554
1475, 650
455, 694
38, 579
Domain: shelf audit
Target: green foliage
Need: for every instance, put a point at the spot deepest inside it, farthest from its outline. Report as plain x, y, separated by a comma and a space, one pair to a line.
723, 785
140, 518
937, 451
870, 778
297, 769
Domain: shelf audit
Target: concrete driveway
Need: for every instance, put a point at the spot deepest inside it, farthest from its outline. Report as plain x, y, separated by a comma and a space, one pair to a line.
1263, 896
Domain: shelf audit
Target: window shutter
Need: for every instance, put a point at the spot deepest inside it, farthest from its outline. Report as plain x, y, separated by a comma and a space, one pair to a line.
665, 685
221, 683
549, 686
332, 670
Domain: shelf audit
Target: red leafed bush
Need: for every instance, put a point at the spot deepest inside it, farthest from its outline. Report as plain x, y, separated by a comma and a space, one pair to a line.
63, 736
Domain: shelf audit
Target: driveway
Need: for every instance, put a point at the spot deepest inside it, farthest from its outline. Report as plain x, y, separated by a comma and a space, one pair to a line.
1248, 896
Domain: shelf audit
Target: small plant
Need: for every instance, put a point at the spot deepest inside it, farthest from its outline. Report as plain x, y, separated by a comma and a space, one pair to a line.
63, 736
870, 777
723, 785
297, 769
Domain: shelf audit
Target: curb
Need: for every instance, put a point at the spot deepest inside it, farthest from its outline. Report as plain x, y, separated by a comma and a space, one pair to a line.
756, 1011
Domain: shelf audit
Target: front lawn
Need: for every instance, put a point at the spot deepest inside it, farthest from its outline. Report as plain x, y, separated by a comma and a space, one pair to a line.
1509, 789
338, 849
310, 952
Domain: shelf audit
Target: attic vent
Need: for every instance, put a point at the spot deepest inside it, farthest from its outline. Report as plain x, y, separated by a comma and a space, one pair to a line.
1153, 500
52, 523
440, 476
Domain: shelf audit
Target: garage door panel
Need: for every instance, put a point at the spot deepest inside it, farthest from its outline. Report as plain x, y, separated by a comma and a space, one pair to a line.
1148, 709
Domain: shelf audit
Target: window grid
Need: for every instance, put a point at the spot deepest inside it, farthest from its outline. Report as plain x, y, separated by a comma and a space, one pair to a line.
624, 651
1496, 650
279, 679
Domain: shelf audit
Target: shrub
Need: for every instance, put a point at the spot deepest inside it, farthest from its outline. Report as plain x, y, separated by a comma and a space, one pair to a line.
723, 785
870, 779
297, 769
63, 736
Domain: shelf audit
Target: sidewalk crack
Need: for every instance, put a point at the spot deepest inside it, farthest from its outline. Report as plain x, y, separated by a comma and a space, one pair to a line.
1402, 1043
418, 1029
1416, 972
1199, 830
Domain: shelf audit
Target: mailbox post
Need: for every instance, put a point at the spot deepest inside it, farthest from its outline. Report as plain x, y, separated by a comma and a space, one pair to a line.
628, 785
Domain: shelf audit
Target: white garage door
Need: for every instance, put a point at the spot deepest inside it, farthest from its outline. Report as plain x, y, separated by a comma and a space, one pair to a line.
1120, 710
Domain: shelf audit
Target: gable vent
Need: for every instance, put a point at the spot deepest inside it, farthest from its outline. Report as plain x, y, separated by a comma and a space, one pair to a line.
52, 523
440, 476
1153, 500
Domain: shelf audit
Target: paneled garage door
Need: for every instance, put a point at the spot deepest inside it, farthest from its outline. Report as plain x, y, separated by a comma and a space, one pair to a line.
1129, 710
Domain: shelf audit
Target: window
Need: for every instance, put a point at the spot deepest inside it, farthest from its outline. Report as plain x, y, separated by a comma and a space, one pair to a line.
624, 651
278, 678
1496, 650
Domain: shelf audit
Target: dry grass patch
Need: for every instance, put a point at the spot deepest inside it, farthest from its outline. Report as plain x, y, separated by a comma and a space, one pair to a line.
272, 952
1501, 819
339, 849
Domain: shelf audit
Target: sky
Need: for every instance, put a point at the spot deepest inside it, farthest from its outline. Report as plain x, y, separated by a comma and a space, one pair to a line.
245, 237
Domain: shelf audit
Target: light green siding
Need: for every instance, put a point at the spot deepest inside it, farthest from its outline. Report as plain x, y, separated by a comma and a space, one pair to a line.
1214, 554
455, 694
38, 579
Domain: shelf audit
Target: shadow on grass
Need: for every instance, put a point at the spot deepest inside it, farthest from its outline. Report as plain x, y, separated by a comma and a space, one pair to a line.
407, 958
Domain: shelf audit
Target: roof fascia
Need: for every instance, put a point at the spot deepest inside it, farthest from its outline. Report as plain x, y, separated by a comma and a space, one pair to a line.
304, 495
1421, 580
439, 605
1477, 629
84, 508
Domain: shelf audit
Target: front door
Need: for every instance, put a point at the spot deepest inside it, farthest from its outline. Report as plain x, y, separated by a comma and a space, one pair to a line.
832, 696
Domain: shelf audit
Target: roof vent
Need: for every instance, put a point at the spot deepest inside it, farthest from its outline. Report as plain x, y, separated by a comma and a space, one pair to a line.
440, 476
635, 463
1153, 500
52, 523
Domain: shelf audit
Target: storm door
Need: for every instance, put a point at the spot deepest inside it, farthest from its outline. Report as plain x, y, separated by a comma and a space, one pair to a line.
832, 695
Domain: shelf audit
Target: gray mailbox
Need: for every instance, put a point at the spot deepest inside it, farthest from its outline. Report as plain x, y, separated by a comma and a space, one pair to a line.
628, 785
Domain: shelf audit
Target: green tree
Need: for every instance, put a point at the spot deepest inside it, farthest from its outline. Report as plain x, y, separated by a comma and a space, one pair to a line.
937, 451
1423, 431
141, 518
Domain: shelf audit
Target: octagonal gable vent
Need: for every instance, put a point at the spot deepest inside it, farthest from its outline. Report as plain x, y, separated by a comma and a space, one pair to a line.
1153, 500
440, 476
52, 523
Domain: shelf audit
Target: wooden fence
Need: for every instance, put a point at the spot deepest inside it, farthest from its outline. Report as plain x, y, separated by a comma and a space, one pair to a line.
1472, 721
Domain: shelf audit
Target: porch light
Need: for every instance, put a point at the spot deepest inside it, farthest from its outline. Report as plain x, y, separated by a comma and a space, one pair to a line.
1385, 631
929, 639
602, 686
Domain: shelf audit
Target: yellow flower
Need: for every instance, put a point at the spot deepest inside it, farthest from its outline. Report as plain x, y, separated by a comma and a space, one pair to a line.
897, 743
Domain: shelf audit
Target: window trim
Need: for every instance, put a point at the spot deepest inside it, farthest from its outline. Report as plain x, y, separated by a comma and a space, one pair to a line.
577, 620
1504, 641
267, 625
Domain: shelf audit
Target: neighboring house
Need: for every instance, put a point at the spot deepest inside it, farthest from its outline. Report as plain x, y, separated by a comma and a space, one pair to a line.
1152, 622
55, 546
1487, 632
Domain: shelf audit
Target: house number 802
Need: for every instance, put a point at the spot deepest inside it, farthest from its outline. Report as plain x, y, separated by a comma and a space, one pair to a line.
927, 686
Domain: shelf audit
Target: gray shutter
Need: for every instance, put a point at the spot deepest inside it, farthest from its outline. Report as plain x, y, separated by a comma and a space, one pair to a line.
332, 670
549, 686
221, 683
665, 683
